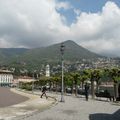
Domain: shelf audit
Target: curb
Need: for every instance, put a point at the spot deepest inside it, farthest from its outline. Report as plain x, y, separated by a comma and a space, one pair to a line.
55, 102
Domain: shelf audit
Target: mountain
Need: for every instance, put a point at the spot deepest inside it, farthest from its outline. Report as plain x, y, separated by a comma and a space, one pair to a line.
47, 55
7, 54
73, 52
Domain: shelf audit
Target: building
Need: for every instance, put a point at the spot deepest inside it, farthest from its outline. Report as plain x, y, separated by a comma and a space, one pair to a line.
25, 79
6, 78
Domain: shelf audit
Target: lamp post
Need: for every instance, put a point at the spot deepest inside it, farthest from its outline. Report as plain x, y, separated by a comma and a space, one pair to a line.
62, 85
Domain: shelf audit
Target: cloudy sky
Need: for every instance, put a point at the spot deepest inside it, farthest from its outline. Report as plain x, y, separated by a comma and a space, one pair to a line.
94, 24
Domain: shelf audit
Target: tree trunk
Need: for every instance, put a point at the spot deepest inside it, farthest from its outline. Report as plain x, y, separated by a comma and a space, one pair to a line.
116, 90
75, 89
64, 88
82, 85
92, 89
56, 87
97, 86
72, 87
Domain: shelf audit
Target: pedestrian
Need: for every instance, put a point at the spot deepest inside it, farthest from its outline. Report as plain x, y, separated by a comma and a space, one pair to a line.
44, 89
86, 91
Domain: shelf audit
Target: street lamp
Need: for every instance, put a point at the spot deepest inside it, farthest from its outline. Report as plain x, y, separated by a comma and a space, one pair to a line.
62, 48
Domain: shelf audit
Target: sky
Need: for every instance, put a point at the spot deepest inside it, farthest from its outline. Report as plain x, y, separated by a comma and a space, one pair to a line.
93, 24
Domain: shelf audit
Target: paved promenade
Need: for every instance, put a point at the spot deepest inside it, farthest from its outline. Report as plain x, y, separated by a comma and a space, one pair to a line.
8, 97
21, 109
78, 109
72, 109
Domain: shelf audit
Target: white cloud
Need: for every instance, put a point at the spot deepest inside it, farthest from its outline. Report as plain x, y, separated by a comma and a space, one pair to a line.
34, 23
77, 11
30, 23
63, 5
99, 31
4, 43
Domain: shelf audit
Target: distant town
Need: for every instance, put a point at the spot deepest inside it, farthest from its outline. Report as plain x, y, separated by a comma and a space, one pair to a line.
98, 63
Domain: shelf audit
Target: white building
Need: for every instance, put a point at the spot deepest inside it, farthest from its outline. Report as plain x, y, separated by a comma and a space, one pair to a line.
6, 78
25, 79
47, 70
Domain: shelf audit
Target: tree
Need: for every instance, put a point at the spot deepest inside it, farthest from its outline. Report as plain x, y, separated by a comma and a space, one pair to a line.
94, 76
84, 75
17, 71
75, 77
56, 81
67, 81
114, 75
98, 75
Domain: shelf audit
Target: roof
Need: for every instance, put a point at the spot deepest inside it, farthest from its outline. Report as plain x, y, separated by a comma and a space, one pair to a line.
6, 71
25, 79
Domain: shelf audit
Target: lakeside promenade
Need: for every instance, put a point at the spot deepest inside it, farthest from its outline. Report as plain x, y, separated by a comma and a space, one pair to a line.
8, 97
19, 104
74, 108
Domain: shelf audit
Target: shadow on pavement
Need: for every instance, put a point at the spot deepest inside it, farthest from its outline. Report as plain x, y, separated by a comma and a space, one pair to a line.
103, 116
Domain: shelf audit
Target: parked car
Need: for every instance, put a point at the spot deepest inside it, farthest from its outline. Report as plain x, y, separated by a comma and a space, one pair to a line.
81, 91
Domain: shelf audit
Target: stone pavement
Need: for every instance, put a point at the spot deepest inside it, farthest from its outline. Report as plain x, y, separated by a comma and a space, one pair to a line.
8, 98
77, 109
21, 110
74, 108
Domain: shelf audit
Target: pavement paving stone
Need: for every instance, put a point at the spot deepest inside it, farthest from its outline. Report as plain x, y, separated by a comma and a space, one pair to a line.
21, 110
78, 109
74, 108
